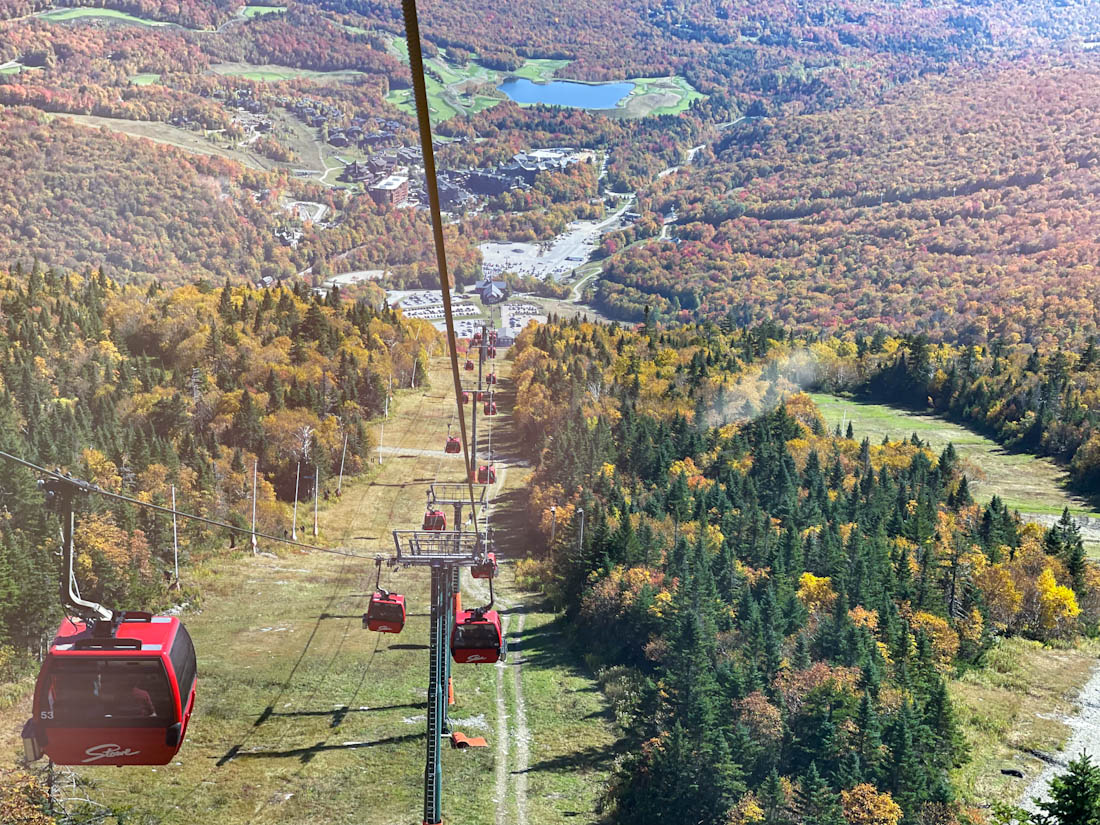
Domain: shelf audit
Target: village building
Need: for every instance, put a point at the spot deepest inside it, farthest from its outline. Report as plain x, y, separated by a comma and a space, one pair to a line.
392, 191
492, 292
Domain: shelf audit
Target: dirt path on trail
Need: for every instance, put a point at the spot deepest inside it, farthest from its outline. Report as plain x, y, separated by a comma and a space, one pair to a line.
513, 738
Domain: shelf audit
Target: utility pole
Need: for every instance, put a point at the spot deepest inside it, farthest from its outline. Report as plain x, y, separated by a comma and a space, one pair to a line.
175, 538
580, 535
294, 521
255, 471
382, 435
316, 490
553, 528
344, 452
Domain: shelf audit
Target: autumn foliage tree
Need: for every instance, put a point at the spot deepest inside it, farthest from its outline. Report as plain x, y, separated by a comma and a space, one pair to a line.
144, 390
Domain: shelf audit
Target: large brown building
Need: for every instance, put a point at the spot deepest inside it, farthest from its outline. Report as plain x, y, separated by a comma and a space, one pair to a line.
392, 191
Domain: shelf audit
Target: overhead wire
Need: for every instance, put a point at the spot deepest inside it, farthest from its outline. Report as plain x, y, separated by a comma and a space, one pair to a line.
88, 487
423, 117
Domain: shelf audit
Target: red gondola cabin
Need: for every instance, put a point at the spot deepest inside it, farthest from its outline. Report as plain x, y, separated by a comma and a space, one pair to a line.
491, 378
490, 408
485, 475
469, 365
435, 520
477, 638
481, 395
123, 698
487, 569
492, 351
465, 398
453, 445
385, 613
476, 339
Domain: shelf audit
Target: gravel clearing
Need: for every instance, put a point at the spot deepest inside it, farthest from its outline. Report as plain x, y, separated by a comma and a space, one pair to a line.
1085, 737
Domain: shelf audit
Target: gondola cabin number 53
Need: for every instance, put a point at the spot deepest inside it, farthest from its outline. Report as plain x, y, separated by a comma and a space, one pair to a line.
120, 699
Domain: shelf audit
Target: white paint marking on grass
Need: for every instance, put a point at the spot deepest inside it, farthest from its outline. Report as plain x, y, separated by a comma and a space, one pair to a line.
472, 722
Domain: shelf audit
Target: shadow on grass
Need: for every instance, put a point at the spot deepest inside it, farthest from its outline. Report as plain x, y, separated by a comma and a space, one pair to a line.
510, 521
337, 714
407, 647
549, 646
588, 758
306, 754
606, 714
524, 608
507, 441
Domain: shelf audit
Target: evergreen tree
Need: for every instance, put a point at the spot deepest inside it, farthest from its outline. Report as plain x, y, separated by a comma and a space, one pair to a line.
1074, 796
247, 429
1064, 540
818, 803
225, 303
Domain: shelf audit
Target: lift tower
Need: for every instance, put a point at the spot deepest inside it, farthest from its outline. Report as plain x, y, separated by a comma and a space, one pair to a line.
446, 553
456, 495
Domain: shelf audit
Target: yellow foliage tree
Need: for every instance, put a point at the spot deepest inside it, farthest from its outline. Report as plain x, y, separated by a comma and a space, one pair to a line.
945, 641
746, 811
1058, 608
1002, 598
816, 592
100, 470
110, 561
862, 617
863, 805
971, 627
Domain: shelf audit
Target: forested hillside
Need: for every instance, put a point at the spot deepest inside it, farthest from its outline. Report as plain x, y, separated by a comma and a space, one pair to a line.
190, 13
609, 40
141, 390
941, 211
136, 207
74, 196
775, 608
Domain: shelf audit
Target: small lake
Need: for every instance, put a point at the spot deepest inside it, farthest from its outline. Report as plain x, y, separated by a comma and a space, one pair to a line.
567, 93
